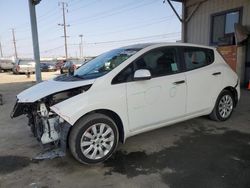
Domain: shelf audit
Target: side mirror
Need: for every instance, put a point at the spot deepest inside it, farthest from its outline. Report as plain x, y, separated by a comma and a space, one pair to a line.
142, 74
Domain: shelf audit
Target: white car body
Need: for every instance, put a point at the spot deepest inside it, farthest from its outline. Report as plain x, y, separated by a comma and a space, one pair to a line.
133, 107
143, 105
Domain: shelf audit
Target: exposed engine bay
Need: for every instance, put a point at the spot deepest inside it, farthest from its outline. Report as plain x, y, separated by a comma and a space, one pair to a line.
48, 127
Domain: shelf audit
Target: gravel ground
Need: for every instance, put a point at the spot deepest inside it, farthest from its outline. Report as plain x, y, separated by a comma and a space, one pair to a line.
195, 153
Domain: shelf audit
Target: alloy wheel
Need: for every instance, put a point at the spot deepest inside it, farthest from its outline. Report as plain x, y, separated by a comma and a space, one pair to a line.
225, 106
97, 141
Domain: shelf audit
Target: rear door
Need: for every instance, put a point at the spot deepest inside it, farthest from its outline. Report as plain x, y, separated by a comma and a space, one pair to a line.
203, 78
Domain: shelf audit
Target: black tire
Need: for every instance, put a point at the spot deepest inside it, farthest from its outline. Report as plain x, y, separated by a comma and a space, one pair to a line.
215, 115
82, 127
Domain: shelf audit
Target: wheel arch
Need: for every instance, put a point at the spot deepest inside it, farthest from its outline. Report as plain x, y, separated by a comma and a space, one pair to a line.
234, 92
114, 116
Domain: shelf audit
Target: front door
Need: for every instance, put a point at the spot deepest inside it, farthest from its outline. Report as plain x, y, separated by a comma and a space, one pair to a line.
163, 97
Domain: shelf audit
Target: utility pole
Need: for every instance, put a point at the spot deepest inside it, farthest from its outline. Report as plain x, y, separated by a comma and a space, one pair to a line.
79, 50
33, 23
1, 50
14, 41
64, 5
81, 47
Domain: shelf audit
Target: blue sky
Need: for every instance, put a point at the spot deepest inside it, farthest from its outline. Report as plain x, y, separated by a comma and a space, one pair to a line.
105, 24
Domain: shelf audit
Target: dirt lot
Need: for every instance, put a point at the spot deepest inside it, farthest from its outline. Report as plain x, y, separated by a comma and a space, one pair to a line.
195, 153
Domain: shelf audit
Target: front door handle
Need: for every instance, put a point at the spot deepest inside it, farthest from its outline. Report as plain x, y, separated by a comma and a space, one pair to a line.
179, 82
216, 73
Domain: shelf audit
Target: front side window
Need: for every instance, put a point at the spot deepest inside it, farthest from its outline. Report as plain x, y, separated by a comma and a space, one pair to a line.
159, 62
104, 63
223, 26
197, 57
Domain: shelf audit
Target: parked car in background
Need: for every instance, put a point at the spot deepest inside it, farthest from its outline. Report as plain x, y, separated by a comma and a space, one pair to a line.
59, 64
127, 91
6, 65
47, 66
70, 66
24, 66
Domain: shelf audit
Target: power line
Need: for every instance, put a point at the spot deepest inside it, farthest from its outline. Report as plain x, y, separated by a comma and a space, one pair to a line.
95, 16
138, 38
100, 15
84, 6
138, 26
117, 10
52, 49
134, 27
172, 34
26, 25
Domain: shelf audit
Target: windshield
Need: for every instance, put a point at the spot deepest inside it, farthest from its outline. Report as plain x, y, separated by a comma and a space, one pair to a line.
104, 63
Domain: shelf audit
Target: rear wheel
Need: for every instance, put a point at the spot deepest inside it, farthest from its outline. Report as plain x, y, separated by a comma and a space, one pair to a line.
93, 138
224, 106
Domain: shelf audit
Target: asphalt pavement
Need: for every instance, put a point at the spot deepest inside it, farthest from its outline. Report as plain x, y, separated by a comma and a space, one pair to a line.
198, 153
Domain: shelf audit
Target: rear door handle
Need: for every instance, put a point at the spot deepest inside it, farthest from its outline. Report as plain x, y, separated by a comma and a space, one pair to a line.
179, 82
216, 73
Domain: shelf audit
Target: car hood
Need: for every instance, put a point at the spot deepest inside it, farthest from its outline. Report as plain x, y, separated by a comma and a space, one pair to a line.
49, 87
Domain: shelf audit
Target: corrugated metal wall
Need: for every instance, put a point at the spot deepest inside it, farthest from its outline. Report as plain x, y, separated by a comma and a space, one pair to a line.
198, 27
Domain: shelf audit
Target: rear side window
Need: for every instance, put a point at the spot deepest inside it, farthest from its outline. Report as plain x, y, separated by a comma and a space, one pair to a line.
197, 57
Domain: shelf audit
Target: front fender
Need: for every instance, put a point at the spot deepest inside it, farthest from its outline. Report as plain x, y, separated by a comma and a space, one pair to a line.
74, 108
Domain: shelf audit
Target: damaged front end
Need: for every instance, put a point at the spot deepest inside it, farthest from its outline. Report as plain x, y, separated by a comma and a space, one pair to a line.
49, 128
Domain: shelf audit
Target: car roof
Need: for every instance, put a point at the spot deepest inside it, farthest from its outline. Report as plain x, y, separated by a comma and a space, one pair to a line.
139, 46
160, 44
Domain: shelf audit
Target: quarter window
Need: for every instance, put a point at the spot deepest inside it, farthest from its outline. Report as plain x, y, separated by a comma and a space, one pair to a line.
197, 57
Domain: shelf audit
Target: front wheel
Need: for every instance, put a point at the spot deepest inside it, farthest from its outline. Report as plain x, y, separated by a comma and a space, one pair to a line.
224, 106
93, 138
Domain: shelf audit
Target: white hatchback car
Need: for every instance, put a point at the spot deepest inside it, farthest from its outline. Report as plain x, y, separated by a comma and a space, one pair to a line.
125, 92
